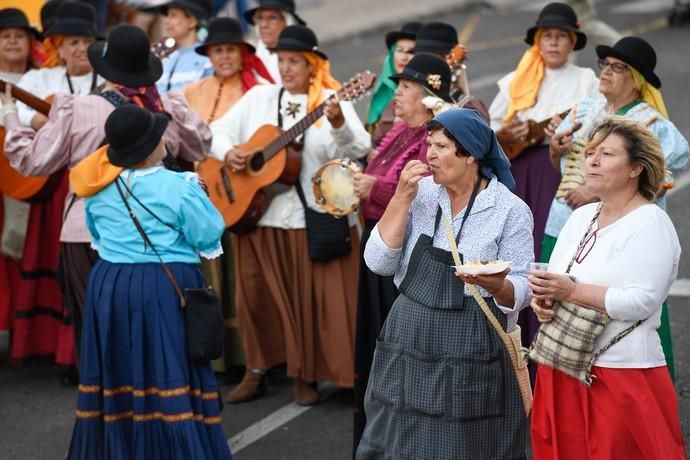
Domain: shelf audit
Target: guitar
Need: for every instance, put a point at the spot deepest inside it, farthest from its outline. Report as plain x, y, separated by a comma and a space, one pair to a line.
535, 136
273, 165
12, 183
38, 188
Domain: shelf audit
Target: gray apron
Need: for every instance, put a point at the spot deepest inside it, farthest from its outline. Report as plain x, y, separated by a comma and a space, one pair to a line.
442, 384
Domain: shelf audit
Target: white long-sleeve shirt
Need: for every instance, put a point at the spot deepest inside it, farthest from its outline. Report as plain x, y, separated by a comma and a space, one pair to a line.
47, 82
259, 106
637, 258
559, 90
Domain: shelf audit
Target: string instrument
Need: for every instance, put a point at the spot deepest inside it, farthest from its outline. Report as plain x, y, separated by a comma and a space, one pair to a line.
535, 136
12, 183
455, 60
273, 165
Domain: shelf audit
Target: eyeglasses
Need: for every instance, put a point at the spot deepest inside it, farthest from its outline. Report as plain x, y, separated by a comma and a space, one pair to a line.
586, 247
617, 67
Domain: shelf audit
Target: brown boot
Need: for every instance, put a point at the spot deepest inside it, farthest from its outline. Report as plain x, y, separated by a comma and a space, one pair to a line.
252, 386
305, 393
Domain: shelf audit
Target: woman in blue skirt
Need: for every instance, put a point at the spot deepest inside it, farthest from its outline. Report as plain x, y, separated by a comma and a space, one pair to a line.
140, 397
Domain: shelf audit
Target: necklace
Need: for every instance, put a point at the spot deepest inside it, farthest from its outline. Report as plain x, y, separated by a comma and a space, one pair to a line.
216, 102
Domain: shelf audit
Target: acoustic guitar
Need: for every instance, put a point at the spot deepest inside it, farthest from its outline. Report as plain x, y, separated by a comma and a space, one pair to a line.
38, 188
535, 136
273, 165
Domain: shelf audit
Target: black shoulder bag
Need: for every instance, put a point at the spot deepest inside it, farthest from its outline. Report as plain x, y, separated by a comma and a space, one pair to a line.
328, 237
202, 311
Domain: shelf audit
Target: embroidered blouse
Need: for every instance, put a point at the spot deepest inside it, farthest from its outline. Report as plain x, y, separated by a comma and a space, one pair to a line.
175, 198
399, 146
589, 112
639, 279
499, 226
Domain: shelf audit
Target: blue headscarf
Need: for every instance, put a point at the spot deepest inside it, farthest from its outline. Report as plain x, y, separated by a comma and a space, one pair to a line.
471, 131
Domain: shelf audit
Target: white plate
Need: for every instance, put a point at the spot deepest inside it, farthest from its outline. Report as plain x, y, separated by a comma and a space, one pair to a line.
488, 269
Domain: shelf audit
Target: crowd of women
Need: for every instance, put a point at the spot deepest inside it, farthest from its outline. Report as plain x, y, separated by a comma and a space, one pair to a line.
104, 225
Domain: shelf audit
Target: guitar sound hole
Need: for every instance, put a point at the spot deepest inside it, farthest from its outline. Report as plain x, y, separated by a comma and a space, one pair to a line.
257, 162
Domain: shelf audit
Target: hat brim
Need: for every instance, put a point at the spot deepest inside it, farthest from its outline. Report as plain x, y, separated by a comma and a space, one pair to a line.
288, 47
194, 9
128, 157
73, 28
440, 93
580, 41
122, 77
201, 49
249, 14
604, 51
392, 37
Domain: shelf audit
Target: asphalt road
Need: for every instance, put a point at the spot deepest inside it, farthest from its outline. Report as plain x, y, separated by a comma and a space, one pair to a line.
36, 414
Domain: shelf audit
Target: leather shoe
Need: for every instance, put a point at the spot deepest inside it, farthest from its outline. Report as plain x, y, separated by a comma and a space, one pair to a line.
252, 386
305, 393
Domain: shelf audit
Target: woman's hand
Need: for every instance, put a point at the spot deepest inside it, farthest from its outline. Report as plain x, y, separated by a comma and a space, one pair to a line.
543, 309
410, 176
334, 113
493, 284
560, 144
553, 124
580, 196
548, 286
6, 96
236, 159
515, 131
363, 184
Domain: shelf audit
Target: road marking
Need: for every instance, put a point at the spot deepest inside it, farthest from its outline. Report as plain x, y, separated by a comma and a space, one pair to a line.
274, 421
680, 288
468, 29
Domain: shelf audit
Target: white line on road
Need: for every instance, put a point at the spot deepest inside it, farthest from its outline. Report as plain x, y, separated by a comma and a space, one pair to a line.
273, 421
681, 288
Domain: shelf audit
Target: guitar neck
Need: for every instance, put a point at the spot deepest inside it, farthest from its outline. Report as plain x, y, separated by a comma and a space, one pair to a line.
291, 134
544, 123
27, 98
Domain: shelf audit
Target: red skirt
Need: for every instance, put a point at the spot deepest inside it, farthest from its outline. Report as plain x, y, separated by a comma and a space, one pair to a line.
626, 414
9, 278
41, 325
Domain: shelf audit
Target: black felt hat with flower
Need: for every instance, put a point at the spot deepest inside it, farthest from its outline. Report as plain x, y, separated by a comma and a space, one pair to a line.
431, 72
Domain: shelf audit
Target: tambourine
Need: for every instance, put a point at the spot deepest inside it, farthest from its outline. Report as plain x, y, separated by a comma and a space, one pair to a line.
334, 188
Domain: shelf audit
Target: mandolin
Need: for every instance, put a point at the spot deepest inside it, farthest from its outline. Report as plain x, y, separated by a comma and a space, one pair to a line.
273, 165
535, 136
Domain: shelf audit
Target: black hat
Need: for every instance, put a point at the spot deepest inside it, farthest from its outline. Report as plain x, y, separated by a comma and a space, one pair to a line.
436, 38
635, 52
74, 18
224, 30
284, 5
48, 12
298, 38
200, 9
133, 134
431, 72
408, 31
12, 17
125, 57
559, 16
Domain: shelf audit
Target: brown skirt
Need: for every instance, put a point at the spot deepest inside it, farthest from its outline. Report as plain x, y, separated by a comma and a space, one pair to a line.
294, 310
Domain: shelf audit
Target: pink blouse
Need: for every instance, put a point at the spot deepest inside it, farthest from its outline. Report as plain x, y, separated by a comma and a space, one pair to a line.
75, 129
399, 146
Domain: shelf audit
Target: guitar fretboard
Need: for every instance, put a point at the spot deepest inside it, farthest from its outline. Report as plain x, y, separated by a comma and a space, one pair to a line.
291, 134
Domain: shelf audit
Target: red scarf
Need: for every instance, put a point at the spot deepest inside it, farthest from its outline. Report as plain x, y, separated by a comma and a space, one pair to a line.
251, 63
146, 97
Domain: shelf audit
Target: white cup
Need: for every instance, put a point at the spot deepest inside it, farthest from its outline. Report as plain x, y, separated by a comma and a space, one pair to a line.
540, 266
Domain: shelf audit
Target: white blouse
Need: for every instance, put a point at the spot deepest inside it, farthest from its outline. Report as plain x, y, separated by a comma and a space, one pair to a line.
259, 106
637, 258
46, 82
270, 60
560, 89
